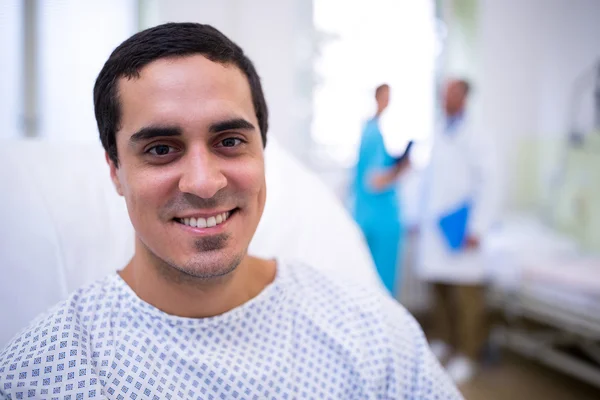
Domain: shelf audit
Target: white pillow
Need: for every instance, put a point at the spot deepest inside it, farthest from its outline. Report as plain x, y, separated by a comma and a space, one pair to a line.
61, 225
303, 220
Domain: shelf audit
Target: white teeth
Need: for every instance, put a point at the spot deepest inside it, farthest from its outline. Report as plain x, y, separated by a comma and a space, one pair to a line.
206, 222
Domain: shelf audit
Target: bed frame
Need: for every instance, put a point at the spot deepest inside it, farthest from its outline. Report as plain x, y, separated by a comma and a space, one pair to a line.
555, 323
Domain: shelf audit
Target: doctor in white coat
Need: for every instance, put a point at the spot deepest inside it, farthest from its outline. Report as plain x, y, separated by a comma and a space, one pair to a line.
460, 195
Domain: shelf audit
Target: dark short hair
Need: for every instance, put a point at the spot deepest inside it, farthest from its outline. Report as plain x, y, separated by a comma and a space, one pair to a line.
167, 41
380, 88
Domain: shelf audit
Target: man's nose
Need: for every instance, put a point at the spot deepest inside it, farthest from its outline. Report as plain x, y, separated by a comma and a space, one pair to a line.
202, 175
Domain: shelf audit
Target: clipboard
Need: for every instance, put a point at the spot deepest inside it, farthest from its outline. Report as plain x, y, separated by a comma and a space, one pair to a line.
454, 226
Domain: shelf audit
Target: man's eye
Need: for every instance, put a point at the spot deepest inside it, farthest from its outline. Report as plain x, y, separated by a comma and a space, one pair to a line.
230, 142
160, 150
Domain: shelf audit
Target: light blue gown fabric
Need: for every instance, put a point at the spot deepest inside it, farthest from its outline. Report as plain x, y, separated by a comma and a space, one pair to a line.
302, 337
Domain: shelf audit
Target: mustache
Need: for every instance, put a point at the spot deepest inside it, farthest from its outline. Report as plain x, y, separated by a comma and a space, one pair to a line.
187, 201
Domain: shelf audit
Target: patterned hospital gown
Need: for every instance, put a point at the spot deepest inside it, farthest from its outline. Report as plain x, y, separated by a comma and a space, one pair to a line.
303, 337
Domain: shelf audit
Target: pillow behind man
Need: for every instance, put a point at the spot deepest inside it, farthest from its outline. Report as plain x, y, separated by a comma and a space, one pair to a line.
61, 226
183, 121
303, 220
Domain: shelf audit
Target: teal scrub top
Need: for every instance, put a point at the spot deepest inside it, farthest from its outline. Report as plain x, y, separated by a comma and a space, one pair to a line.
371, 207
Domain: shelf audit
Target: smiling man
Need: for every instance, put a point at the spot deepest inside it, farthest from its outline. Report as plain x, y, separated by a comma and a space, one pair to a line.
183, 120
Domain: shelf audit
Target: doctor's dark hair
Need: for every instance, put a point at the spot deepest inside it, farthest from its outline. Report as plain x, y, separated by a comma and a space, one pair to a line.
167, 41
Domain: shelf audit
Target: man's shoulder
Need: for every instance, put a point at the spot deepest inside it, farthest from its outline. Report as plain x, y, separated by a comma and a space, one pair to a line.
60, 333
316, 285
345, 303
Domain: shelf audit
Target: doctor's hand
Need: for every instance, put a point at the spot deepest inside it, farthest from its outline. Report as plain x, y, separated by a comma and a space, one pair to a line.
472, 242
380, 181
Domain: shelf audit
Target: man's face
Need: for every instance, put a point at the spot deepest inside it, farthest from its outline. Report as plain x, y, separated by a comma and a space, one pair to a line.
454, 98
191, 164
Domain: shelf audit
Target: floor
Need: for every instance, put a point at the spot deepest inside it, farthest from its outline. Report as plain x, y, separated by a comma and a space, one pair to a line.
515, 378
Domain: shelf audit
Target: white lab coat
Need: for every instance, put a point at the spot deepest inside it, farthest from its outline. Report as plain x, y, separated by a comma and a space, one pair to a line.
462, 167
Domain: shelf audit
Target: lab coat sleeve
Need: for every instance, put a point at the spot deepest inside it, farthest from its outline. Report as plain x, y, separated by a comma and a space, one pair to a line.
485, 171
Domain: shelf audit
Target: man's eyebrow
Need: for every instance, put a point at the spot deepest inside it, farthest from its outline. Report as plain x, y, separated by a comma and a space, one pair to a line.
151, 132
231, 124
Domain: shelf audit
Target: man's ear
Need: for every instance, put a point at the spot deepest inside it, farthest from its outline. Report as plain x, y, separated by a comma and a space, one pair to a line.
113, 174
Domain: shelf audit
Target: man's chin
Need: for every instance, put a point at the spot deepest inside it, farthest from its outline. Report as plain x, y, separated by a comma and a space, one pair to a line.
210, 265
212, 244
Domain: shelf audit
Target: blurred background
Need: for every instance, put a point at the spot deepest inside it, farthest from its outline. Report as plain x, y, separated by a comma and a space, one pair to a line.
535, 70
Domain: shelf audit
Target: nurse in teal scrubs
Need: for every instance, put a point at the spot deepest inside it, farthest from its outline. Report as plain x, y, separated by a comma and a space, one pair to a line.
376, 202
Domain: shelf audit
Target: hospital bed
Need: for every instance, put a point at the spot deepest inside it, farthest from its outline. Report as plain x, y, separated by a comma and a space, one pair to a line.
548, 292
62, 225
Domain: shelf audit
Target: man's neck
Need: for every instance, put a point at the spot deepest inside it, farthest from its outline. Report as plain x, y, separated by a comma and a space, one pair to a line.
193, 297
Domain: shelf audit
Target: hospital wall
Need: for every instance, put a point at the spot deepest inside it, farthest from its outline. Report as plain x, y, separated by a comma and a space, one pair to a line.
536, 57
532, 54
524, 58
10, 102
52, 52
